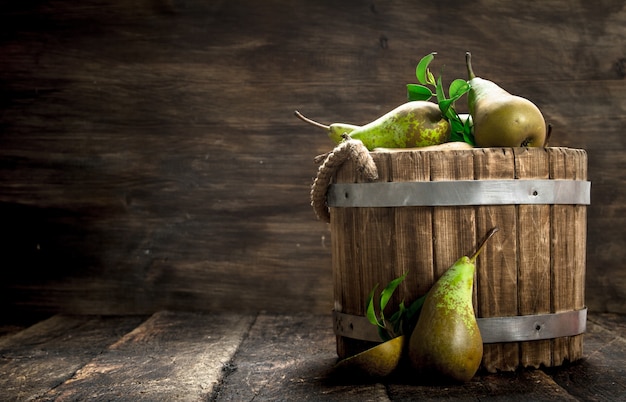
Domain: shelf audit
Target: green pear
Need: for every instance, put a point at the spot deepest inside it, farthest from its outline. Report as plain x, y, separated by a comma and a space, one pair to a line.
378, 361
446, 339
412, 124
335, 130
501, 119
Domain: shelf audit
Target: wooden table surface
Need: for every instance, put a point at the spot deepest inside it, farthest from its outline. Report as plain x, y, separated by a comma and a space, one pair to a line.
197, 356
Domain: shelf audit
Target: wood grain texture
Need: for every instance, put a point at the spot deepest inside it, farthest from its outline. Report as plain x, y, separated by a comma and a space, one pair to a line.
602, 369
535, 264
171, 356
48, 353
149, 158
278, 357
413, 229
454, 227
345, 246
496, 267
369, 258
566, 256
533, 281
290, 358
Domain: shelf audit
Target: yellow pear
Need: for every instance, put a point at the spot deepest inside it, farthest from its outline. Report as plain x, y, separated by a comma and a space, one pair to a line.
378, 361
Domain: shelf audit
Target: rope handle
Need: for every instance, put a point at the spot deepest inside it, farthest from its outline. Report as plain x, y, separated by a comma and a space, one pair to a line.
349, 148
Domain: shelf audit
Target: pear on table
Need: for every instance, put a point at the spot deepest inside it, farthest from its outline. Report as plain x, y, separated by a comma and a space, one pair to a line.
378, 361
446, 339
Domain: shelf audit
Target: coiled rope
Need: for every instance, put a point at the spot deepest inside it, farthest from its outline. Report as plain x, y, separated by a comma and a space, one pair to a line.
331, 162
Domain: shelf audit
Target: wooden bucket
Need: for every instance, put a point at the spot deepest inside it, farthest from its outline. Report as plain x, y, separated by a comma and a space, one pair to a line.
530, 278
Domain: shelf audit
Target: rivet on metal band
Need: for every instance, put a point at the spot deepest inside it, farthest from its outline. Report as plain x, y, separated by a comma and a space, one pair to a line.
493, 329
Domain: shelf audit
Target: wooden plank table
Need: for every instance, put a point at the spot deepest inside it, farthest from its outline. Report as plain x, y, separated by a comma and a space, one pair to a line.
199, 356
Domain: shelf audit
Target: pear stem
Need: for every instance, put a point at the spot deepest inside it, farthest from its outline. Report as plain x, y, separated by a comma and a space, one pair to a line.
482, 244
312, 122
468, 63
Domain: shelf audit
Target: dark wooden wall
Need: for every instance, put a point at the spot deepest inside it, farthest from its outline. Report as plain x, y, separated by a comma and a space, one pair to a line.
149, 157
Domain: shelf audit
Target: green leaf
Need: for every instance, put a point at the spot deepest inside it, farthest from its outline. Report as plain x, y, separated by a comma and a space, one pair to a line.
371, 312
418, 92
421, 71
468, 136
441, 96
466, 131
412, 315
457, 136
458, 88
386, 294
447, 110
384, 334
457, 130
460, 131
415, 307
397, 320
398, 314
430, 78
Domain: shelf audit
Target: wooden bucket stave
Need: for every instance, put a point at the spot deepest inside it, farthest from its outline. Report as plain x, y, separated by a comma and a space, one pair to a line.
535, 265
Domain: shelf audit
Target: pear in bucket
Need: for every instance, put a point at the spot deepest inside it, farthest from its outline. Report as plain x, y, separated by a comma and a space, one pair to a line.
335, 130
501, 119
412, 124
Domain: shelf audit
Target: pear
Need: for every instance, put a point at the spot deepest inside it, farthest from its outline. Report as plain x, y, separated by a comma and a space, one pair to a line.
446, 339
376, 362
335, 130
412, 124
501, 119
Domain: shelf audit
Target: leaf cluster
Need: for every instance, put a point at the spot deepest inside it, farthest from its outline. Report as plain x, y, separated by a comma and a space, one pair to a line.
400, 322
460, 130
